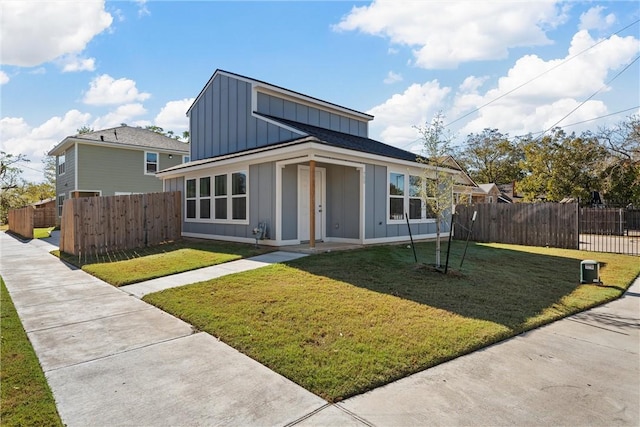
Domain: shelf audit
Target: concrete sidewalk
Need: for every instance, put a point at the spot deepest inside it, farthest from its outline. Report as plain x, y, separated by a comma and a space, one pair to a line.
207, 273
112, 359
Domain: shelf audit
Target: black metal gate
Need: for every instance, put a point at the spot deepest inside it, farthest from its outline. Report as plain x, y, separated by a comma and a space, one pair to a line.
609, 229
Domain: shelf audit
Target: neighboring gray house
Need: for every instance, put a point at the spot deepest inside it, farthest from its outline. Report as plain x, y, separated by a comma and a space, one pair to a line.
256, 152
108, 162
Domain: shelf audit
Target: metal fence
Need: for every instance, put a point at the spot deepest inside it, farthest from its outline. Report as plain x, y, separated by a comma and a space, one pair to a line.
610, 230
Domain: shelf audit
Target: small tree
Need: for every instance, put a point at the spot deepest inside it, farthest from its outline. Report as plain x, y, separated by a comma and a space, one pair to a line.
437, 193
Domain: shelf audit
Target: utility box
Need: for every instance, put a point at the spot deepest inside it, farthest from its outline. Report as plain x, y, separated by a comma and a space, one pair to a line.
589, 271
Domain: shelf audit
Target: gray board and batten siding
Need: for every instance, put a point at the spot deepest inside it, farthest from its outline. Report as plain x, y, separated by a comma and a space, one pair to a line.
227, 101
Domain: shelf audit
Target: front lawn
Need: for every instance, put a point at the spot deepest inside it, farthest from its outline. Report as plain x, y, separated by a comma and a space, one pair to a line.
132, 266
25, 396
42, 233
342, 323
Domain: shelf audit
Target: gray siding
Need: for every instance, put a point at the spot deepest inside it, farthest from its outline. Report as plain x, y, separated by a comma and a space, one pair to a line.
290, 202
174, 184
262, 186
343, 202
65, 183
112, 170
376, 209
221, 121
262, 209
285, 109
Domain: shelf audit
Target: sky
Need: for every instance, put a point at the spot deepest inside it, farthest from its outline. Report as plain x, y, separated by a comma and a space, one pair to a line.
517, 66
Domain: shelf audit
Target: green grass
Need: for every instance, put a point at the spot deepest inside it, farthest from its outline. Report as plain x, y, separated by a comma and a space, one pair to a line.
42, 233
25, 395
343, 323
132, 266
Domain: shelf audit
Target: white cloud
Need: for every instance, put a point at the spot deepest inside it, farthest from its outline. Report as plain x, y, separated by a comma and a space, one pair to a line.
173, 116
18, 137
394, 118
37, 71
123, 114
594, 20
392, 78
72, 63
542, 101
105, 90
4, 78
445, 34
35, 32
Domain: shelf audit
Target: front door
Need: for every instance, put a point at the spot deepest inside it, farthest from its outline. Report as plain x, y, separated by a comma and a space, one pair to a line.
303, 203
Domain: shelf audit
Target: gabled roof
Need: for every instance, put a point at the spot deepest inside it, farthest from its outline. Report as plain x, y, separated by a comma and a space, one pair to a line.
348, 141
488, 187
281, 91
125, 137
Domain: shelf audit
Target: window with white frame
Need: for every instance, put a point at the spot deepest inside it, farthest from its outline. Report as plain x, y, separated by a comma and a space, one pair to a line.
60, 203
190, 193
224, 201
150, 162
186, 159
62, 163
405, 195
205, 197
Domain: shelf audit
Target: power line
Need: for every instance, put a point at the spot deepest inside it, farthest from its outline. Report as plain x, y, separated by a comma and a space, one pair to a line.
541, 74
593, 94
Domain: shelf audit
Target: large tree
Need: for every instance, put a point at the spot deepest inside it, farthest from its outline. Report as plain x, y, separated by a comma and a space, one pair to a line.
437, 191
558, 165
490, 156
620, 171
10, 183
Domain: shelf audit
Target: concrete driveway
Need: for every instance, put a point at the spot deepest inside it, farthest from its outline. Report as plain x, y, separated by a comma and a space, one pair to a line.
112, 359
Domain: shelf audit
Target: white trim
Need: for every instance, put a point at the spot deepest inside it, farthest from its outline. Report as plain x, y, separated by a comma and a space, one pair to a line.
363, 183
58, 206
75, 165
306, 146
398, 239
229, 197
266, 242
144, 165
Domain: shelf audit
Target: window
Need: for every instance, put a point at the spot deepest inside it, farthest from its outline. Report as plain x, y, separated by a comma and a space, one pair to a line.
186, 159
406, 195
150, 163
226, 201
396, 196
205, 197
60, 203
61, 163
191, 198
239, 195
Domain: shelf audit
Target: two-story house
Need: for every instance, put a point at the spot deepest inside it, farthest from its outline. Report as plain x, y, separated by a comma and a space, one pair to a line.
116, 161
301, 168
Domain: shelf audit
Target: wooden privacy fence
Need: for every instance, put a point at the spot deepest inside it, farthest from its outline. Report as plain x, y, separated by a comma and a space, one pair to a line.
21, 221
532, 224
96, 225
45, 217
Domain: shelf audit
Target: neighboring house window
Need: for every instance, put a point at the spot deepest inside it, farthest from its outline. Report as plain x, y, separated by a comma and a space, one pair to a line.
405, 195
61, 163
150, 163
490, 199
226, 201
60, 203
186, 159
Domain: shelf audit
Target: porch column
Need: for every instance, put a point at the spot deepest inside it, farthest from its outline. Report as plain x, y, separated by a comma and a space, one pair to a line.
312, 203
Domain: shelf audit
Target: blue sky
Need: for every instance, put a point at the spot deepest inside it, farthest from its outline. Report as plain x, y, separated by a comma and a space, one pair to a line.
67, 64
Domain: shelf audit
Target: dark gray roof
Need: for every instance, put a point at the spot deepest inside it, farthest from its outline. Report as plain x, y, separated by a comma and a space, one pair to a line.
128, 135
350, 142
